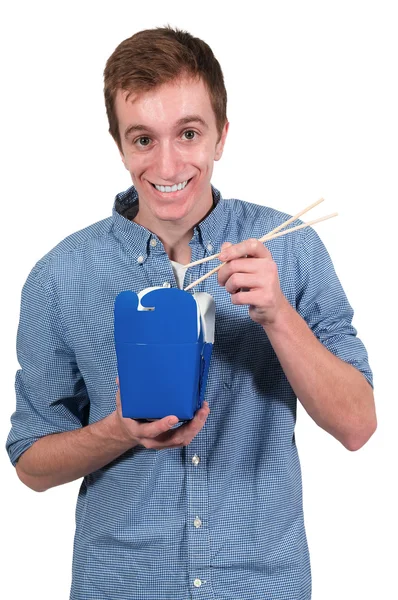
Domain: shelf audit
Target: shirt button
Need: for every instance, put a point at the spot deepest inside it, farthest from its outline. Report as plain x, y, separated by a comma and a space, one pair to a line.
210, 247
197, 583
197, 522
167, 284
140, 259
195, 460
153, 242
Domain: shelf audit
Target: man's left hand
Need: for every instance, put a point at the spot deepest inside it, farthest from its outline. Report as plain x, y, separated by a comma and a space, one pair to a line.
250, 275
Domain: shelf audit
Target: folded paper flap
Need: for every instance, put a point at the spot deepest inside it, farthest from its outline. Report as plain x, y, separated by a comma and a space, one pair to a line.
143, 293
173, 320
207, 312
205, 365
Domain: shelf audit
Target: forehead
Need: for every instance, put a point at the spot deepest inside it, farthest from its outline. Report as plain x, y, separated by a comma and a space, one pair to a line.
164, 105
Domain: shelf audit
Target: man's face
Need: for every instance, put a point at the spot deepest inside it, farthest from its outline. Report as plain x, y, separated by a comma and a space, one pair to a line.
170, 142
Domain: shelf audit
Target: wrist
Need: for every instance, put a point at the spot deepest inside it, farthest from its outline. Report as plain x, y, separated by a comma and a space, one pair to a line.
279, 318
118, 433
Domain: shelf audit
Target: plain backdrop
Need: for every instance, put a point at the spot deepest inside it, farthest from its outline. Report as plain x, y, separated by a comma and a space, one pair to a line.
313, 100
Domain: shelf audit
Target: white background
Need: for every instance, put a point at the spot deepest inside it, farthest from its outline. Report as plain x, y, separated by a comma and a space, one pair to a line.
313, 110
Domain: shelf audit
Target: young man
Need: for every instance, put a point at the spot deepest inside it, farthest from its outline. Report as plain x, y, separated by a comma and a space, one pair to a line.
211, 509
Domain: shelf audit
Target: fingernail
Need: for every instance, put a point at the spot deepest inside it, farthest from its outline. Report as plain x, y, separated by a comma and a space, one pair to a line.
223, 252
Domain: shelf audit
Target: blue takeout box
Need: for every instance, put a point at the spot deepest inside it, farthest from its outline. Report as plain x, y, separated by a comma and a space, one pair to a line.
164, 340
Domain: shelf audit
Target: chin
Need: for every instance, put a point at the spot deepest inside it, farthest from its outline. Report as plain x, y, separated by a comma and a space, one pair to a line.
171, 215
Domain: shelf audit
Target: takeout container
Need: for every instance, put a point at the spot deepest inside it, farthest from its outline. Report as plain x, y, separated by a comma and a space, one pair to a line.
163, 339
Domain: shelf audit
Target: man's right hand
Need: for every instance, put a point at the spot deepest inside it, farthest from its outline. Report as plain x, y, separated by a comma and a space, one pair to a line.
159, 434
58, 458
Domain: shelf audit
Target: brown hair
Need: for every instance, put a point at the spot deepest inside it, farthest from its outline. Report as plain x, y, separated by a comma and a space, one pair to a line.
155, 56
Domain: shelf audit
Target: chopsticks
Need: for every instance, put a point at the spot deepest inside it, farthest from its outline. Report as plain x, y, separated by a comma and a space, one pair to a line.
275, 233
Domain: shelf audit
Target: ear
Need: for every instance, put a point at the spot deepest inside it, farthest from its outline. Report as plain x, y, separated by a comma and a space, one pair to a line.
221, 142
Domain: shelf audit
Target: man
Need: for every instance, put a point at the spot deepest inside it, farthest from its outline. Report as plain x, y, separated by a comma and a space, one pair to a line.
213, 508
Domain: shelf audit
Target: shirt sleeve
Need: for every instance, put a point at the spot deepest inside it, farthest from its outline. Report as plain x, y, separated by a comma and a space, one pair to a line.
51, 396
322, 302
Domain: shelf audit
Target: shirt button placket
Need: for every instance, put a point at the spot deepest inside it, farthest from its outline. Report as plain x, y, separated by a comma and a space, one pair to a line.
195, 460
198, 534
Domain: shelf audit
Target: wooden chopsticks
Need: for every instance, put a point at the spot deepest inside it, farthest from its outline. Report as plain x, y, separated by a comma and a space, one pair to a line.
275, 233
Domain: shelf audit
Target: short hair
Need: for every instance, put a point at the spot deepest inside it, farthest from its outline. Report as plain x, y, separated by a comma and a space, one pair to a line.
153, 57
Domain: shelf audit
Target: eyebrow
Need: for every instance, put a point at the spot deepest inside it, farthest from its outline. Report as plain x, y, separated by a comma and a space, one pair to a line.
184, 121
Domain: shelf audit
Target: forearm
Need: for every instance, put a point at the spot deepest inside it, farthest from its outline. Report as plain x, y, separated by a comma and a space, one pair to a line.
334, 393
63, 457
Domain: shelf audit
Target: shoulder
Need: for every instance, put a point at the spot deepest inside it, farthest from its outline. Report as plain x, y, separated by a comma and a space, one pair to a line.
248, 219
72, 249
244, 220
250, 213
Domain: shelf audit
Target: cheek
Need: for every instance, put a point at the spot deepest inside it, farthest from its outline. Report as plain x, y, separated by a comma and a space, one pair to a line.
137, 164
203, 159
199, 154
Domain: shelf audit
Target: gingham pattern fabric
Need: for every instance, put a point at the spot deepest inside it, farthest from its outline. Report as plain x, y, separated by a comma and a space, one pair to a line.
221, 519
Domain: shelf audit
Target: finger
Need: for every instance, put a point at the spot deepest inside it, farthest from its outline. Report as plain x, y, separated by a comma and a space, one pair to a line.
239, 281
238, 265
253, 298
250, 247
183, 436
225, 245
118, 401
156, 428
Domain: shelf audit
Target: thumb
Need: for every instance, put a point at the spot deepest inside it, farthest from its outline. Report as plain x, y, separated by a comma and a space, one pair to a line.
225, 245
118, 401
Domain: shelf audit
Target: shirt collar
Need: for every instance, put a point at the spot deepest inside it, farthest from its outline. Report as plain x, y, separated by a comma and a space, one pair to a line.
209, 232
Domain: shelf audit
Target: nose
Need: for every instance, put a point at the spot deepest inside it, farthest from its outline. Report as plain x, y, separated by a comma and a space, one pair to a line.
169, 162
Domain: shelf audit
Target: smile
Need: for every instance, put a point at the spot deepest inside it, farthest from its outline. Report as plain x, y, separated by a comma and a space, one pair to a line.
171, 188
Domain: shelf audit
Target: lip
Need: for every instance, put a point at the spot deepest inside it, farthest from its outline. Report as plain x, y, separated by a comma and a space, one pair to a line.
171, 195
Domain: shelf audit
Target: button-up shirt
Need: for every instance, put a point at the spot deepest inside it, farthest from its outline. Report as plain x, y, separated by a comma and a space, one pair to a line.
222, 518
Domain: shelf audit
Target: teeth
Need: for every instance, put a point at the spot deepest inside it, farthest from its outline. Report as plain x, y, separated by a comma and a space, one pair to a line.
171, 188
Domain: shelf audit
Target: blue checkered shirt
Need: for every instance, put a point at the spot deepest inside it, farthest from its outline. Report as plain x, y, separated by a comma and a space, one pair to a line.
221, 519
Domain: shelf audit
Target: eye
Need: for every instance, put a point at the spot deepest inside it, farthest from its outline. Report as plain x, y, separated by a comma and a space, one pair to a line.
189, 134
144, 140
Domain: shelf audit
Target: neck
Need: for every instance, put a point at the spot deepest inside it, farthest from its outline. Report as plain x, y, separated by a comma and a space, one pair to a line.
179, 251
174, 235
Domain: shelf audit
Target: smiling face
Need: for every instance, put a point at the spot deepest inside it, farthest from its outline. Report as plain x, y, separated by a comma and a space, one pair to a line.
169, 144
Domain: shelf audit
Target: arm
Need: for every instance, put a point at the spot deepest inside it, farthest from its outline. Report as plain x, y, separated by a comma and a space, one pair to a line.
334, 393
50, 442
63, 457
